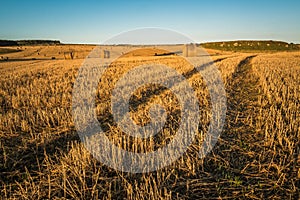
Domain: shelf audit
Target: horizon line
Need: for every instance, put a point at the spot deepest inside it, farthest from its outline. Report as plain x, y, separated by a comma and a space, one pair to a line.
146, 44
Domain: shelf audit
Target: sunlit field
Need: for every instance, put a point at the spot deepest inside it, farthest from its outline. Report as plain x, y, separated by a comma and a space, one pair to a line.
42, 156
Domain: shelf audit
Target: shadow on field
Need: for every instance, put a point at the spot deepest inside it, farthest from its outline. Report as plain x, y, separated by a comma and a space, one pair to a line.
30, 156
173, 116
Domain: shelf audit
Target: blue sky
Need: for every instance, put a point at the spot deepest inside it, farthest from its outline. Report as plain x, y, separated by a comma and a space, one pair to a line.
96, 21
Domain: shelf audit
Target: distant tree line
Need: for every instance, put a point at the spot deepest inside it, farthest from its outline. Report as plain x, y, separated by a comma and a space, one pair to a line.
252, 46
28, 42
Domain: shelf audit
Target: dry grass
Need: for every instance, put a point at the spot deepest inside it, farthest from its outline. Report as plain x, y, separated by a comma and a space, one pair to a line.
257, 155
279, 118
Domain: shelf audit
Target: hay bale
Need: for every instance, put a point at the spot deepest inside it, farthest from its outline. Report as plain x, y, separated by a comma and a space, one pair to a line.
189, 50
105, 54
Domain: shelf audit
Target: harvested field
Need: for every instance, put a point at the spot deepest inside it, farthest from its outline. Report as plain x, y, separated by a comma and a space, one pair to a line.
256, 156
